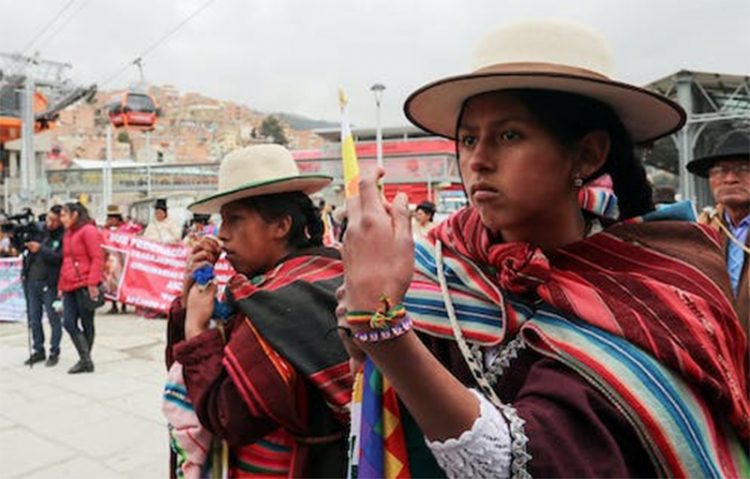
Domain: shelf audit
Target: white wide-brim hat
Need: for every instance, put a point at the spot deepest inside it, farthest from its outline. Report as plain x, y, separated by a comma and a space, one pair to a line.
548, 55
258, 170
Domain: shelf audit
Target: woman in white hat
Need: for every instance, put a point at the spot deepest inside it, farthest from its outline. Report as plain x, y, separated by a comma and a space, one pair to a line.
545, 333
271, 380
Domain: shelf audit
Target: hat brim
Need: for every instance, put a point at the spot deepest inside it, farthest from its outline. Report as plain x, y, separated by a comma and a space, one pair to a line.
307, 184
701, 166
646, 115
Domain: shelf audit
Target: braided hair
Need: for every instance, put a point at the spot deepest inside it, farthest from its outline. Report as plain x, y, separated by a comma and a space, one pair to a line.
307, 226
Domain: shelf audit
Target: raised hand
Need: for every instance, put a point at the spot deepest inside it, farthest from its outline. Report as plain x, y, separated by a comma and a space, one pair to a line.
378, 248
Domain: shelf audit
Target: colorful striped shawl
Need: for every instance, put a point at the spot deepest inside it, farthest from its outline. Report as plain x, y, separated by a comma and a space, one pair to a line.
638, 282
198, 452
684, 438
292, 307
287, 315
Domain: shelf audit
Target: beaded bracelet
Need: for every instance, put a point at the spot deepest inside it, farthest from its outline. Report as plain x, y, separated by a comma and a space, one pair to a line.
384, 334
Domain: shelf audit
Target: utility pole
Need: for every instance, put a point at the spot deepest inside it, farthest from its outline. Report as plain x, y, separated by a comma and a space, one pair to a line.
377, 90
107, 173
28, 75
28, 157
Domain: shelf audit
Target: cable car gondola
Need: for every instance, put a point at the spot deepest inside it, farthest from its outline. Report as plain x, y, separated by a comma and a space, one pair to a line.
10, 113
133, 110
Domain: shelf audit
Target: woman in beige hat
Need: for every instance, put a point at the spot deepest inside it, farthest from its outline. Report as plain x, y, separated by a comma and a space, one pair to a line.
547, 333
270, 381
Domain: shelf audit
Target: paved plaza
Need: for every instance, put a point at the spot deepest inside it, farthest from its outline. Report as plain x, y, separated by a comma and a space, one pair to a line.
102, 425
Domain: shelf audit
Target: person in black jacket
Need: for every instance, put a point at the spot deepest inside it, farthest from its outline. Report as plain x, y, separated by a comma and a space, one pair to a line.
41, 271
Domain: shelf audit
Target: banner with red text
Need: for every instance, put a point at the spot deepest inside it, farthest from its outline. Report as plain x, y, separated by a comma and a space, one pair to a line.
136, 271
147, 273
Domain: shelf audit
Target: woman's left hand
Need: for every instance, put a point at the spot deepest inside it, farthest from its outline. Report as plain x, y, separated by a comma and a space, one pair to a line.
199, 309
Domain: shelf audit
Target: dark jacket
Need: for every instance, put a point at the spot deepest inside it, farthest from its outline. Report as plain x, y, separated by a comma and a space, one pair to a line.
49, 257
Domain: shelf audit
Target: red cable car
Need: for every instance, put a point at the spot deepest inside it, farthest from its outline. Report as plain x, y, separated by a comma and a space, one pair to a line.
10, 114
133, 110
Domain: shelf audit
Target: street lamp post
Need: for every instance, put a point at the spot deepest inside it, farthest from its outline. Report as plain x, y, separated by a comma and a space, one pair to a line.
107, 172
377, 90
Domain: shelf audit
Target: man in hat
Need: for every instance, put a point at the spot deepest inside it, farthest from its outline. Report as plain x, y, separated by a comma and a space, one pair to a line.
163, 228
728, 173
423, 215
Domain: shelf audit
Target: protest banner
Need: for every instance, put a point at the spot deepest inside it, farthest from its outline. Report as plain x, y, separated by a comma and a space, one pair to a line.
136, 271
147, 273
12, 301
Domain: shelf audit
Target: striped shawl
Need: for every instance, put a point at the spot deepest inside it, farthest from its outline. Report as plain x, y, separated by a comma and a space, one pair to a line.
633, 309
286, 317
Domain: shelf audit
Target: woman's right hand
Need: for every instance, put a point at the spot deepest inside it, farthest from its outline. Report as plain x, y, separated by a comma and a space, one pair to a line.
378, 250
199, 307
206, 252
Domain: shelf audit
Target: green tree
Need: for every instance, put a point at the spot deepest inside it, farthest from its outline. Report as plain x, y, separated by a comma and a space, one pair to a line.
123, 137
272, 128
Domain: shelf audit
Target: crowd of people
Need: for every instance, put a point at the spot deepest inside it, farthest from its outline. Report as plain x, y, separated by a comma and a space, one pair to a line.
65, 272
61, 275
559, 325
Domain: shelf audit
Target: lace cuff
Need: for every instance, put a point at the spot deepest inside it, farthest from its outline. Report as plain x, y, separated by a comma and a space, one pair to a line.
482, 451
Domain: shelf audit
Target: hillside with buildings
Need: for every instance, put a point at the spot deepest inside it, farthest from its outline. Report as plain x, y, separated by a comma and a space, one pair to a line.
192, 128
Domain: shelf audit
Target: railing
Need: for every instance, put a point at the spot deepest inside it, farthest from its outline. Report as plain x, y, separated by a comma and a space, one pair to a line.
203, 177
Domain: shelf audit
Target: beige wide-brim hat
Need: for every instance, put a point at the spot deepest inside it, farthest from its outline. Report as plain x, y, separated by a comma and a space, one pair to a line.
258, 170
549, 55
114, 210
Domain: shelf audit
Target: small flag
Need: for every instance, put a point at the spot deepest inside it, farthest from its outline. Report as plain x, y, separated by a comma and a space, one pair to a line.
348, 152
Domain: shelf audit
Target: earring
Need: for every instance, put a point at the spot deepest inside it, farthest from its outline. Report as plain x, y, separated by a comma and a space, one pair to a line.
577, 182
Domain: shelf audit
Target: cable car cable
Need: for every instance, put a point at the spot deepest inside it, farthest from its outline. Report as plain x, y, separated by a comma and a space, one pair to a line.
47, 25
60, 26
156, 44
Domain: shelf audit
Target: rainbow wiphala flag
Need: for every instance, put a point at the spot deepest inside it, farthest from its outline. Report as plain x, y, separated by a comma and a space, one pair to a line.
377, 446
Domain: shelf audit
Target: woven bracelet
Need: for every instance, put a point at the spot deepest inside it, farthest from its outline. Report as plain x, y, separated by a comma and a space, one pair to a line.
379, 319
390, 332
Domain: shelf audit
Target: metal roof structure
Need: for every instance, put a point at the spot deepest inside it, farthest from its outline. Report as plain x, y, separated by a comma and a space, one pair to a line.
716, 104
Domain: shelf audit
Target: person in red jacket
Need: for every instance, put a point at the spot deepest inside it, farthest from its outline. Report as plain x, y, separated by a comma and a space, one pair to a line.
80, 276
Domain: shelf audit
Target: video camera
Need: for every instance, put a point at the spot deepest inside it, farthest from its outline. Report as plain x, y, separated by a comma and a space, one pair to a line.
23, 229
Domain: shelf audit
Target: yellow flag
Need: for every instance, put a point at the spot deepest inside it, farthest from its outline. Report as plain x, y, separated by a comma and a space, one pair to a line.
348, 151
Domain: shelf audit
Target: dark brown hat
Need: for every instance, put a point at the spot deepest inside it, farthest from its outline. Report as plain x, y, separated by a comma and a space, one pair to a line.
736, 145
426, 206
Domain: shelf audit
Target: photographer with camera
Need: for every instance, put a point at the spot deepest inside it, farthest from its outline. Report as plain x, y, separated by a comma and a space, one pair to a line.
42, 259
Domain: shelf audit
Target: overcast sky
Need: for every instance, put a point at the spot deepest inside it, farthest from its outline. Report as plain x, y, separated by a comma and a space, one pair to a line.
293, 55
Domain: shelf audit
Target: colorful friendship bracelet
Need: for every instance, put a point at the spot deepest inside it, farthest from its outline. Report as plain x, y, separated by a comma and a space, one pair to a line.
390, 332
379, 319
